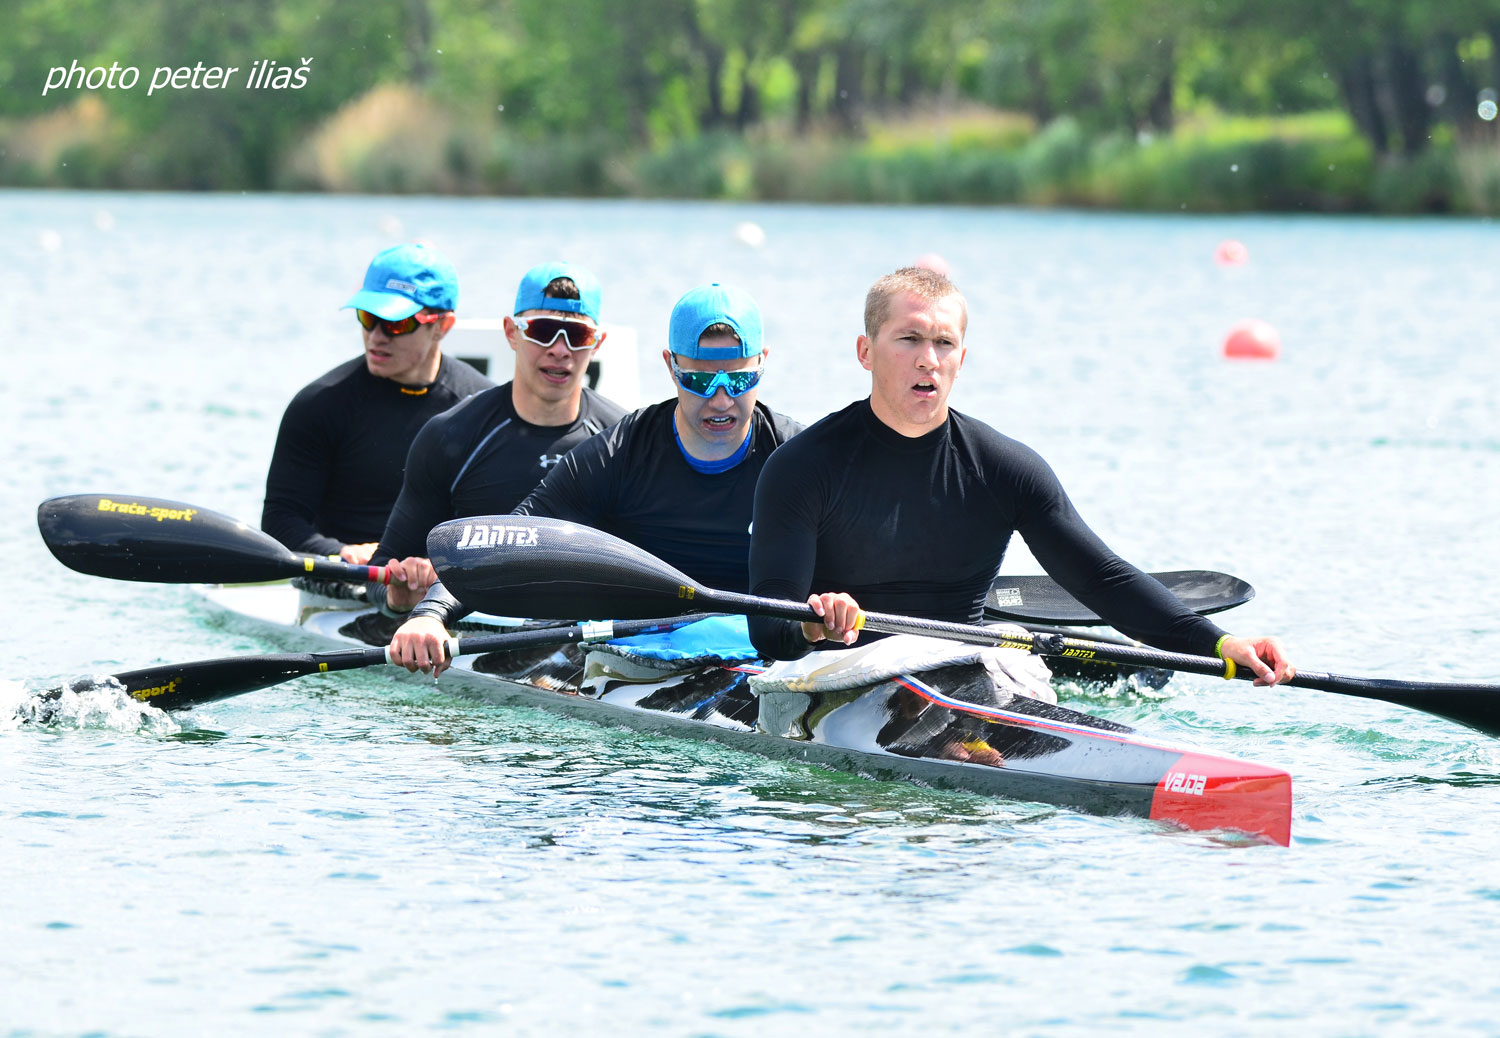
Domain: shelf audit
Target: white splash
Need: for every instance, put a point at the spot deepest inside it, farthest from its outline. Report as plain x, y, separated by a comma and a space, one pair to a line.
84, 702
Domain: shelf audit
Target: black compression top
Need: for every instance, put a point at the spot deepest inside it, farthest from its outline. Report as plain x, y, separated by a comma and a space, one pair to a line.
918, 526
336, 469
480, 458
632, 481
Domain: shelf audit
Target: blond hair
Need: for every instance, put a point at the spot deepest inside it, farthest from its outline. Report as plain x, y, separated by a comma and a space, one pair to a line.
920, 281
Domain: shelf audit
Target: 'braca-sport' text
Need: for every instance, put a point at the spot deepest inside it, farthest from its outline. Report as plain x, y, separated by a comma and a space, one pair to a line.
141, 695
184, 515
485, 535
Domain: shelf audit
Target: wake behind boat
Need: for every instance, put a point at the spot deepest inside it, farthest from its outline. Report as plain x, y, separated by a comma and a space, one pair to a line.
944, 726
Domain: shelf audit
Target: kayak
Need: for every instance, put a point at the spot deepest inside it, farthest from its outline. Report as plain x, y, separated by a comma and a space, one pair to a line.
940, 724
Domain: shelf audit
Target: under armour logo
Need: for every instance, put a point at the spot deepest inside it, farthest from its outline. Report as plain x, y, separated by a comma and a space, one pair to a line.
548, 460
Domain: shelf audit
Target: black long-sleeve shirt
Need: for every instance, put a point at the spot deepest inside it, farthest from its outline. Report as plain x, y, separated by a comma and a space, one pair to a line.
632, 481
919, 525
336, 468
481, 458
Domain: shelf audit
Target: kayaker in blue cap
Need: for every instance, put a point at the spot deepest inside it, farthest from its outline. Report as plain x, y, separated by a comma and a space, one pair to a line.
676, 478
486, 454
899, 504
336, 468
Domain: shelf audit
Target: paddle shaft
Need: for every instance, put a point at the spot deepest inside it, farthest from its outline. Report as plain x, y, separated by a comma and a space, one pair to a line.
1040, 642
129, 537
543, 567
330, 569
173, 686
1474, 704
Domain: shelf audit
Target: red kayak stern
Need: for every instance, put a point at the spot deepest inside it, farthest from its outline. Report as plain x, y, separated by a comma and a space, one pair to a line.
1204, 792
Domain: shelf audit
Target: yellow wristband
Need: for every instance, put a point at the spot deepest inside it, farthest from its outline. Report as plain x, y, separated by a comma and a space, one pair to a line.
1229, 668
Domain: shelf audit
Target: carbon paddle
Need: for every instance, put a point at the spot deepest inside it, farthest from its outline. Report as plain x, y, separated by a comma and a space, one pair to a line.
548, 568
1040, 600
173, 686
129, 537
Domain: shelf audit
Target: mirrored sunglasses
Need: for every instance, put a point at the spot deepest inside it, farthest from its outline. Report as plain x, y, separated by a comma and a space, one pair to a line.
707, 383
544, 332
405, 326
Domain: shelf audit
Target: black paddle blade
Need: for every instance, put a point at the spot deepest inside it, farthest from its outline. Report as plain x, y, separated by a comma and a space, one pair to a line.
549, 569
177, 685
128, 537
173, 686
1474, 704
1038, 599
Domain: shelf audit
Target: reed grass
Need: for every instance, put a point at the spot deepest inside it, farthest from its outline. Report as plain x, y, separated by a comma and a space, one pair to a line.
395, 139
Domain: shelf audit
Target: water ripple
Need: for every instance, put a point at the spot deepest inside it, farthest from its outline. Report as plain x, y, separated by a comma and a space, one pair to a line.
98, 702
363, 853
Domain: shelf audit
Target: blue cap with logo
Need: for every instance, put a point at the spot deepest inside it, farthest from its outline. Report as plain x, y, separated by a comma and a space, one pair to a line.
403, 279
529, 295
714, 304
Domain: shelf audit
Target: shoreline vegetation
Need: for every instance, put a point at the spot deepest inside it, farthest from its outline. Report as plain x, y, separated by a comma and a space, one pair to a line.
1229, 105
1212, 162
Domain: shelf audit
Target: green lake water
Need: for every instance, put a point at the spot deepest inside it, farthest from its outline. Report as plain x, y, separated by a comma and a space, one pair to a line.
367, 854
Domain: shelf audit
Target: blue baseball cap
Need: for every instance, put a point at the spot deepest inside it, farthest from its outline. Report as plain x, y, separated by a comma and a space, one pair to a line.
714, 304
403, 279
529, 295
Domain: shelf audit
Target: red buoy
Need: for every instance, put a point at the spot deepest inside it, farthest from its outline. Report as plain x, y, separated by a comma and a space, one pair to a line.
1252, 340
1231, 253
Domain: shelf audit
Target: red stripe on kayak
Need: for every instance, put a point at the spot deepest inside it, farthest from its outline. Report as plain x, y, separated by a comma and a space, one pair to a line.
995, 713
1203, 792
1198, 791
